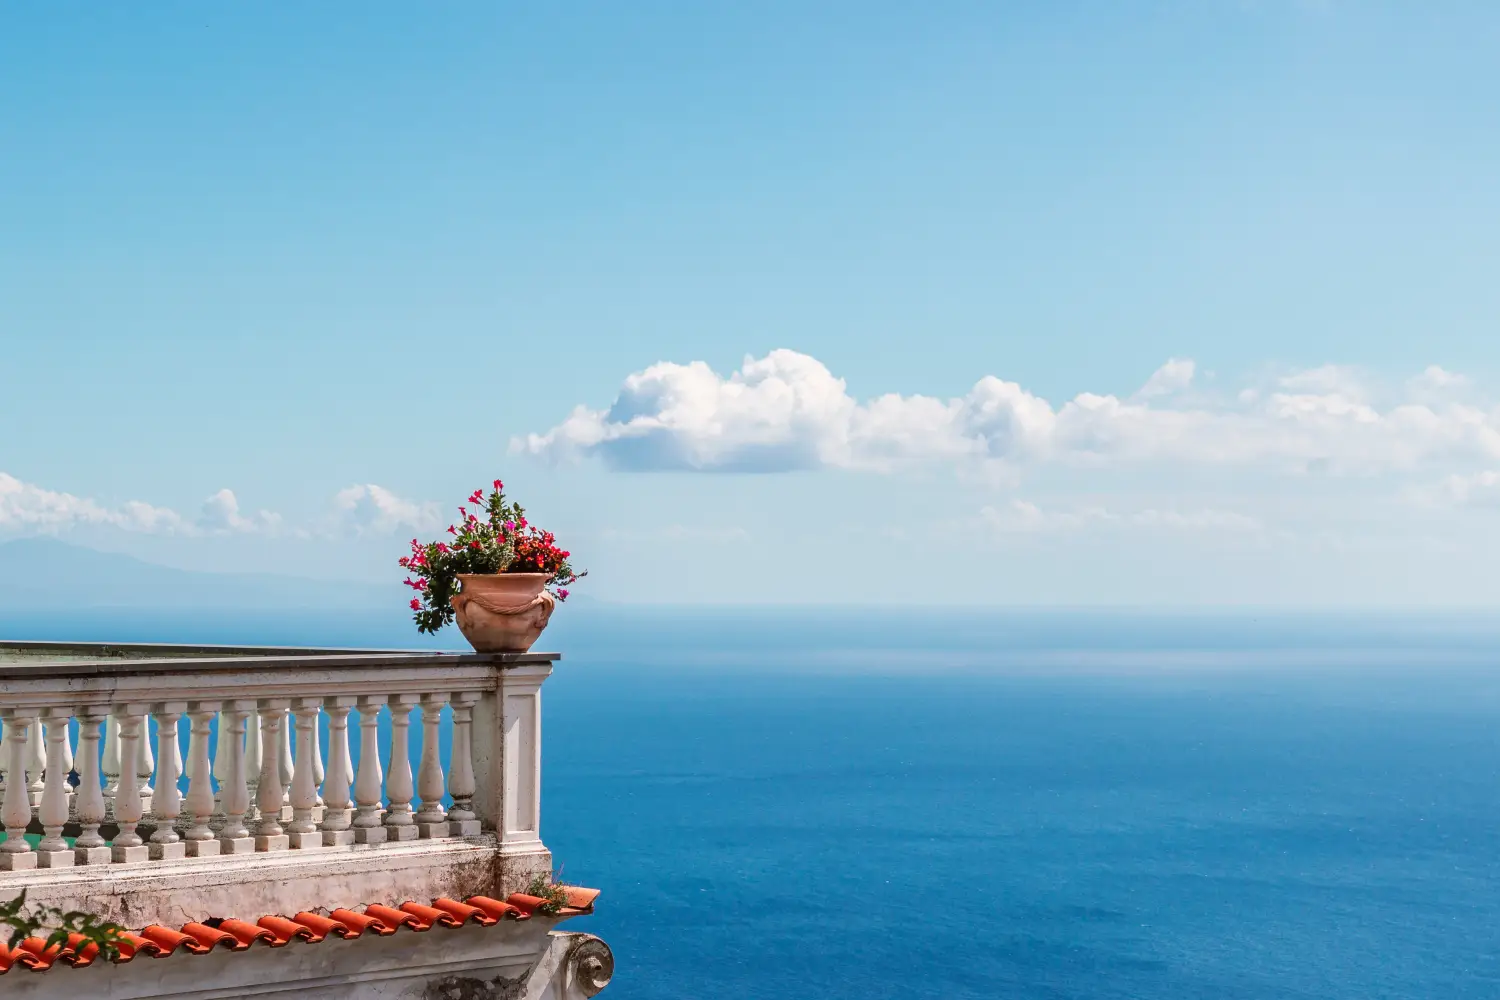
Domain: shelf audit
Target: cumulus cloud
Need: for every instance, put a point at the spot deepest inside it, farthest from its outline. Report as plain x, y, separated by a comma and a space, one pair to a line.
367, 507
221, 514
27, 508
787, 412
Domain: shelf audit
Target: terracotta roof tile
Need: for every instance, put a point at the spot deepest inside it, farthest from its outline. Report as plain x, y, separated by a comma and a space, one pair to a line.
76, 957
169, 940
132, 945
394, 918
358, 923
496, 909
463, 912
286, 931
276, 931
209, 938
247, 933
430, 915
18, 956
324, 926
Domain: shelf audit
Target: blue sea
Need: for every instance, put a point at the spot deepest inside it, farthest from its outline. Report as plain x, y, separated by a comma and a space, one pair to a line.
1092, 806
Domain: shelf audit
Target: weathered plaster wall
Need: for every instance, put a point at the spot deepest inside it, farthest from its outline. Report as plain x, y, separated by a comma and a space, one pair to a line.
509, 961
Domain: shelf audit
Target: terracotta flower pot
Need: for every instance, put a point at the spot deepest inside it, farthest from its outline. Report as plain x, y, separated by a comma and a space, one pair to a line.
502, 612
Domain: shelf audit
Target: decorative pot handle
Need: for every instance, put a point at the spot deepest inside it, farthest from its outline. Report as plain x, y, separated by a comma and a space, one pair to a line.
539, 600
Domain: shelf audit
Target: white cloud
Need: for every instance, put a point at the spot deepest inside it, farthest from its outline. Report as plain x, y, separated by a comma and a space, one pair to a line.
1342, 381
367, 507
221, 514
1174, 376
1481, 489
27, 508
1434, 378
1025, 517
788, 412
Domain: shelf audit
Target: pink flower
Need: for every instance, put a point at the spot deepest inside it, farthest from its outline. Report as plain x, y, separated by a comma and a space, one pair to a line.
499, 485
416, 605
510, 526
562, 595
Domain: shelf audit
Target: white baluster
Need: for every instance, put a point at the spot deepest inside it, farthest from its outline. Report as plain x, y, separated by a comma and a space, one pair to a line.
128, 845
198, 840
285, 757
67, 763
36, 763
233, 837
432, 820
254, 751
53, 851
166, 801
68, 749
337, 815
15, 853
4, 757
304, 830
111, 763
318, 775
145, 766
368, 828
268, 833
398, 784
462, 822
221, 772
89, 848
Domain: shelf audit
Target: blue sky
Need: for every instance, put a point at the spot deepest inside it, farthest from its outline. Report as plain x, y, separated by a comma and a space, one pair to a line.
297, 254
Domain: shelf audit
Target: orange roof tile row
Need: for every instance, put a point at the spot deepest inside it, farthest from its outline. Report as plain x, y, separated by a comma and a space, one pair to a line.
195, 938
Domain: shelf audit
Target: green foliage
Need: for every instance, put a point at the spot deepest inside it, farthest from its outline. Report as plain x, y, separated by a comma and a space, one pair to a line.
502, 541
551, 893
64, 925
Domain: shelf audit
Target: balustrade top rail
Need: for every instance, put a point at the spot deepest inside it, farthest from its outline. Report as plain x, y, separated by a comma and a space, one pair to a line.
60, 660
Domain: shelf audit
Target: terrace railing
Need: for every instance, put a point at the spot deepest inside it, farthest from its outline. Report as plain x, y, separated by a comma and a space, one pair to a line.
134, 755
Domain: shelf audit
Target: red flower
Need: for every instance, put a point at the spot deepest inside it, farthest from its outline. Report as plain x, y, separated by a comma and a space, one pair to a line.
416, 605
499, 484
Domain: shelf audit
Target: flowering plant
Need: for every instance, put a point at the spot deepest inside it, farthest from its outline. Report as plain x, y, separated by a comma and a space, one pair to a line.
502, 541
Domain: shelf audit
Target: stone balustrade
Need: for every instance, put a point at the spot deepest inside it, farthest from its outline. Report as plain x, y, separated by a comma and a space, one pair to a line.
129, 760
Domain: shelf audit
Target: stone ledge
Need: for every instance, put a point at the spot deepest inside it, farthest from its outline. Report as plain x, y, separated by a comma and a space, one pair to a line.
283, 882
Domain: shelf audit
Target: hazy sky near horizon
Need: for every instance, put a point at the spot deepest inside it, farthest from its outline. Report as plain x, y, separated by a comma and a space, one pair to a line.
1063, 303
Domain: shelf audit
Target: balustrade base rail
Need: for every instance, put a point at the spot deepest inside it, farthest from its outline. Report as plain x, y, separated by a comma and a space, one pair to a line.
247, 886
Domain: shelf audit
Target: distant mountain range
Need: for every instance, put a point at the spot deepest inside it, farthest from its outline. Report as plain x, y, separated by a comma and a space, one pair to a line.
46, 574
